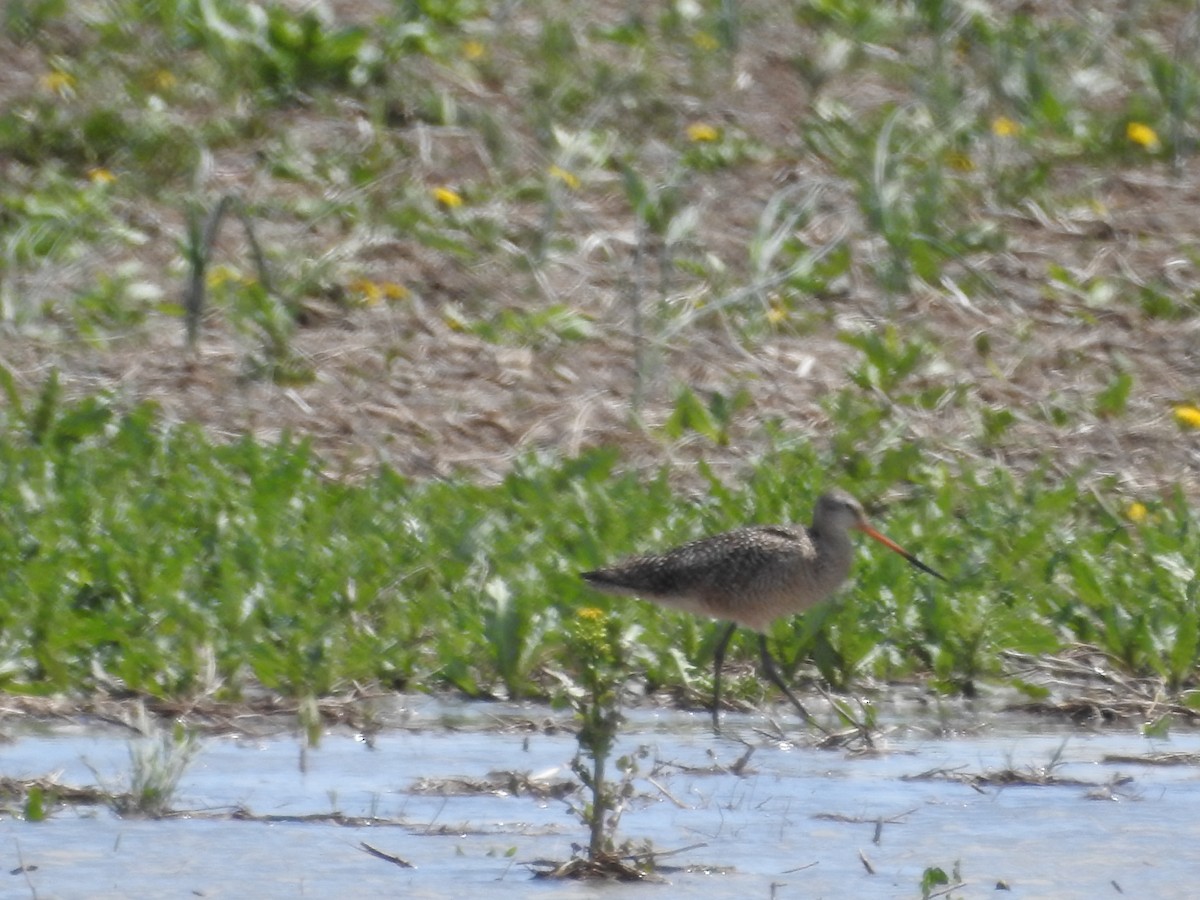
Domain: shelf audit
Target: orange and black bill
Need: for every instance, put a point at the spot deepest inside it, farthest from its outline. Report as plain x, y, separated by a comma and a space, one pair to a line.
892, 545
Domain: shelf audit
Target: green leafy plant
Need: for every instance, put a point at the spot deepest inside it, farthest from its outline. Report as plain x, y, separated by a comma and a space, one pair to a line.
1177, 82
538, 328
158, 760
157, 767
284, 52
34, 809
712, 419
1112, 400
253, 303
890, 359
935, 882
596, 648
906, 184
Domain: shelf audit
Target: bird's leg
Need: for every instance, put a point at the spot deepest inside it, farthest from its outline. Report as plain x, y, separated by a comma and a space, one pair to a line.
718, 659
772, 672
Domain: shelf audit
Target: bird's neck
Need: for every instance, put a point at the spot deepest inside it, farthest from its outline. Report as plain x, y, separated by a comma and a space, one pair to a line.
834, 547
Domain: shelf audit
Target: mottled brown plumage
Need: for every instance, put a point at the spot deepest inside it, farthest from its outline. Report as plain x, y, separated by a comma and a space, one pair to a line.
752, 576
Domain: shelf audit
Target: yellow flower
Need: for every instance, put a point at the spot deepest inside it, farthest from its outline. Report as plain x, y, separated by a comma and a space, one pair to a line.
474, 50
1136, 512
777, 313
447, 198
455, 320
591, 614
1187, 416
219, 275
705, 41
570, 179
1142, 135
100, 175
1002, 126
370, 292
163, 80
960, 161
58, 82
702, 132
393, 291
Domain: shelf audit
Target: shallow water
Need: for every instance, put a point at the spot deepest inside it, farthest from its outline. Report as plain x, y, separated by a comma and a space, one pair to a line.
767, 829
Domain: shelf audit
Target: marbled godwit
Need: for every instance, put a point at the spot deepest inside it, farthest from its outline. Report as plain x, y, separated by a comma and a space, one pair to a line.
752, 576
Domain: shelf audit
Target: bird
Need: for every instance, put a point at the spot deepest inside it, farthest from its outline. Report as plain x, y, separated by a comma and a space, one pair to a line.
752, 576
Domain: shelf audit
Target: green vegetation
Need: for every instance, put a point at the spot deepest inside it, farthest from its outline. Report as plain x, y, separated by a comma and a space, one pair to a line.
596, 646
936, 883
917, 193
146, 558
157, 762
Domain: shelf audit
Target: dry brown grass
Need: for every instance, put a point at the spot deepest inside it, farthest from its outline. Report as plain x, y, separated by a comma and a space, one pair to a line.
398, 384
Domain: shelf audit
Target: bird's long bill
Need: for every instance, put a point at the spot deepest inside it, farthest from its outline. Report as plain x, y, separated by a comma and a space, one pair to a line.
892, 545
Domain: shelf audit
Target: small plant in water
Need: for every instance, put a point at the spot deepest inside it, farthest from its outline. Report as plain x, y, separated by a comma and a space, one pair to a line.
936, 883
596, 646
157, 762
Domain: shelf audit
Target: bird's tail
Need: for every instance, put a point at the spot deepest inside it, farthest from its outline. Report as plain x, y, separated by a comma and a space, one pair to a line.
606, 580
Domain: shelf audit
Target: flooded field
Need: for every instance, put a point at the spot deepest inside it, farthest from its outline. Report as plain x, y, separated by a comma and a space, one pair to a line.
1007, 803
